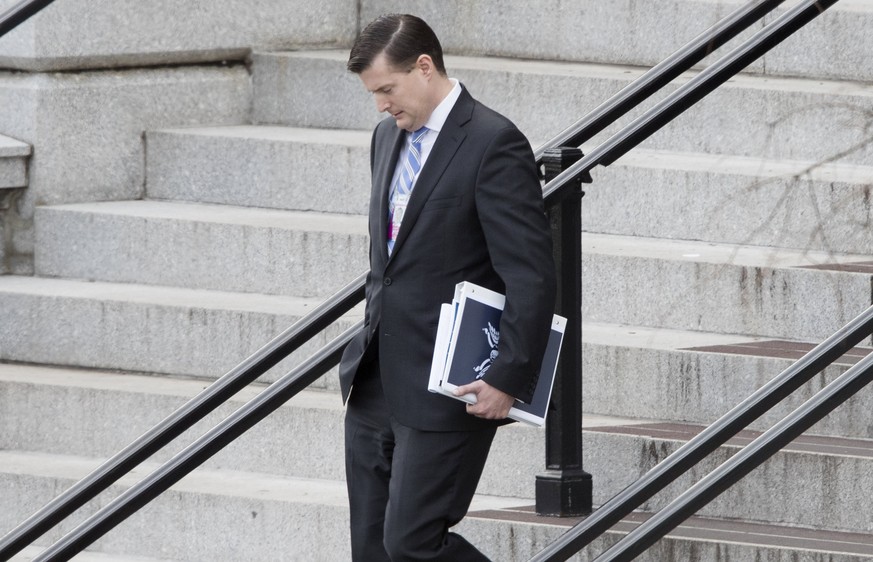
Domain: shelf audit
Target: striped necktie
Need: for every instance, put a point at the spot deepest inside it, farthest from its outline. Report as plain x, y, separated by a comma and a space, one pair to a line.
403, 186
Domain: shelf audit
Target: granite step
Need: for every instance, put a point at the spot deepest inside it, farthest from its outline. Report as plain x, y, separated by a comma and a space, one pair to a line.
696, 377
202, 246
225, 515
722, 288
805, 205
147, 329
215, 515
720, 198
775, 118
209, 515
814, 482
698, 538
261, 166
303, 440
32, 552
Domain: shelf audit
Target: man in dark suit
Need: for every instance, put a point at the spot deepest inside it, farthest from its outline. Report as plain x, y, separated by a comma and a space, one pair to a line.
457, 200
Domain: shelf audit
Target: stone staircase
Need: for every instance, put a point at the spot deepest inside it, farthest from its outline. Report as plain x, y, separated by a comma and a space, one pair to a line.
179, 217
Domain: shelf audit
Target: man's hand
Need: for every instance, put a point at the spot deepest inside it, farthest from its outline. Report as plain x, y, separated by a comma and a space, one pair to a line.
491, 404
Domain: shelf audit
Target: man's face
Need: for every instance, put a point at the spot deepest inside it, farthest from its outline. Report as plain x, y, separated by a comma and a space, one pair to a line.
404, 94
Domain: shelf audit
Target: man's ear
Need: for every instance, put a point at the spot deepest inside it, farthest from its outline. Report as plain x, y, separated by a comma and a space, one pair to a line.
425, 65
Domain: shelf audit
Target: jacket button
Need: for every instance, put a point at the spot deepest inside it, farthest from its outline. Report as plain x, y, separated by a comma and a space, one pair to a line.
387, 281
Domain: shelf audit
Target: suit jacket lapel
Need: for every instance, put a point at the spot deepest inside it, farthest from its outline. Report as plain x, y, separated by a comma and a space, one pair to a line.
447, 144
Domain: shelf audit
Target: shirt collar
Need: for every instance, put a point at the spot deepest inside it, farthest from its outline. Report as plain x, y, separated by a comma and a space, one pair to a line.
439, 115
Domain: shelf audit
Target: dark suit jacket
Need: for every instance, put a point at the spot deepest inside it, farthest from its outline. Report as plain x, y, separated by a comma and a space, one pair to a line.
475, 214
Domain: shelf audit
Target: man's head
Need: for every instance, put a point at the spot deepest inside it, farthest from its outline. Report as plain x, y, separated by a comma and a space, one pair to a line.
400, 61
402, 38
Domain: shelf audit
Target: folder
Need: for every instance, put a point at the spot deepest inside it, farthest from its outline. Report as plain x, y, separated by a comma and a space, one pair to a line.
468, 342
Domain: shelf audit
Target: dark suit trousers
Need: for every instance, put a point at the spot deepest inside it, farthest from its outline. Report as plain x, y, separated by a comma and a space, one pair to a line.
407, 487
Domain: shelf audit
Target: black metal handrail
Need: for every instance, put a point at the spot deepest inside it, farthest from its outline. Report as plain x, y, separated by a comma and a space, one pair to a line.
182, 419
660, 75
565, 489
738, 466
18, 14
606, 153
710, 439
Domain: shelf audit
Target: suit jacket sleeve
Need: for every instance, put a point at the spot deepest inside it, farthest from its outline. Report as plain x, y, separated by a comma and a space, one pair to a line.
510, 208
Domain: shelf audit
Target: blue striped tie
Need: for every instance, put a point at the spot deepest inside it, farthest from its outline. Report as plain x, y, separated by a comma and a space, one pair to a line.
403, 186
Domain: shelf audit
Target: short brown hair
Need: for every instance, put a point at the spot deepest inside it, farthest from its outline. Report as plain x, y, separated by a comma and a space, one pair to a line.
402, 37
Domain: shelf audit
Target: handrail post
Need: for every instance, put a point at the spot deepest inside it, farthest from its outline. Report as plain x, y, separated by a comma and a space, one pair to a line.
565, 490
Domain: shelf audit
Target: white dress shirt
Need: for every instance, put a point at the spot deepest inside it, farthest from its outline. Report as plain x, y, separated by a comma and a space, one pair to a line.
434, 125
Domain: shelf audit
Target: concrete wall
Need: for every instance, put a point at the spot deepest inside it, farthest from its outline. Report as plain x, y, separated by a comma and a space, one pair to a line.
87, 128
99, 73
836, 45
77, 34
